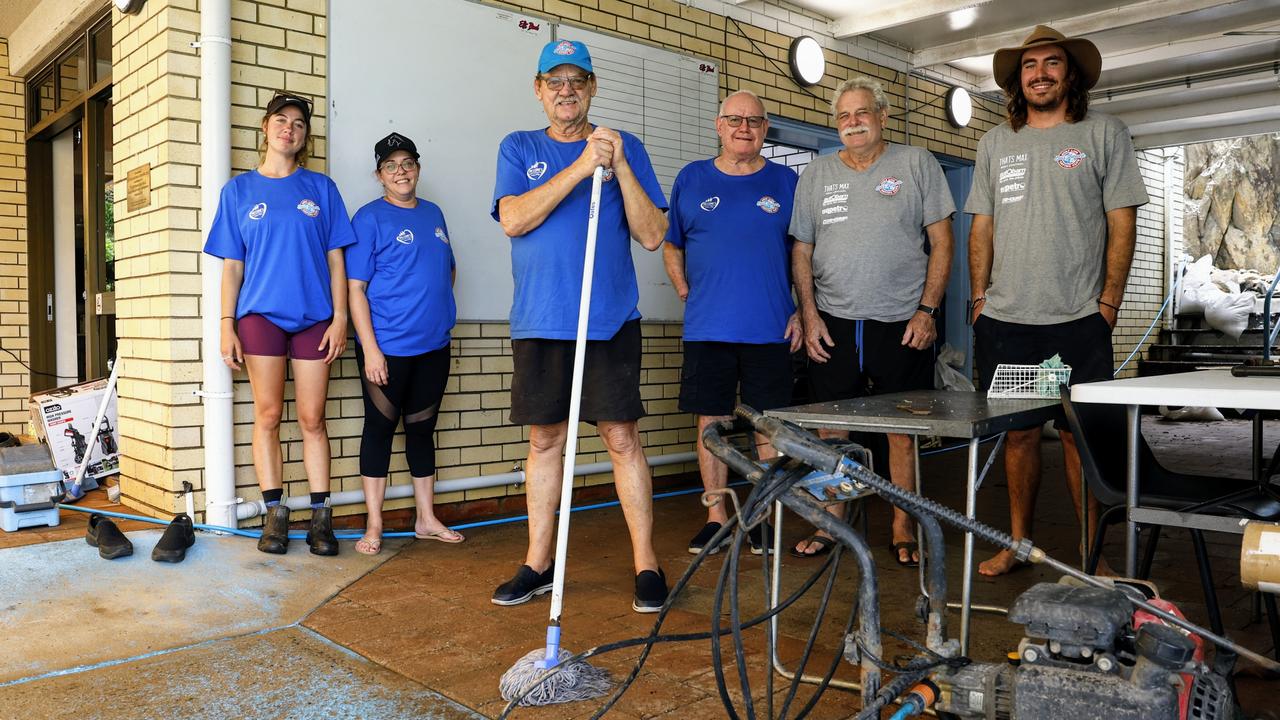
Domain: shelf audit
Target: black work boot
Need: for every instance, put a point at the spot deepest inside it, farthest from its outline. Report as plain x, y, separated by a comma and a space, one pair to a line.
320, 536
275, 532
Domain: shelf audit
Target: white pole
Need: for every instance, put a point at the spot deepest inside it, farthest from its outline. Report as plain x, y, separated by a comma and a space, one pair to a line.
215, 170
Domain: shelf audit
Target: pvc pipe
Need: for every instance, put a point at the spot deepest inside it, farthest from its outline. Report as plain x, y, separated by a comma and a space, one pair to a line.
215, 171
253, 508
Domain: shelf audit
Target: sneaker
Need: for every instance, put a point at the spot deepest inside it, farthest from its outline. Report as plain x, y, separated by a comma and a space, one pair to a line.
104, 535
522, 587
704, 536
173, 544
760, 537
651, 591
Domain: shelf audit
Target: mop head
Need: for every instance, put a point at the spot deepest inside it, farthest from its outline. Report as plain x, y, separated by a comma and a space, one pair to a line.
569, 682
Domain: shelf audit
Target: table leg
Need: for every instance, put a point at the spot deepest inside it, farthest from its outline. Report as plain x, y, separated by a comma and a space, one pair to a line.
970, 509
1257, 449
1134, 431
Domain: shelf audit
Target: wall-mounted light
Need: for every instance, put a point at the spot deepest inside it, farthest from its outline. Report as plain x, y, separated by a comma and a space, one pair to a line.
807, 62
959, 107
130, 7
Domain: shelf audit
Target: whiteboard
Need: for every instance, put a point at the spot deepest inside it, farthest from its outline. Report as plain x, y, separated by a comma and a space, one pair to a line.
456, 77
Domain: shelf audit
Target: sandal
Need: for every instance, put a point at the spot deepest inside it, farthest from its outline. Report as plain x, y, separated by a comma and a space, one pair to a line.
823, 542
446, 535
912, 548
369, 546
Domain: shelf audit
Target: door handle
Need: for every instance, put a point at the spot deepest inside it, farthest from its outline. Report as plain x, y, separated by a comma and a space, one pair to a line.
48, 307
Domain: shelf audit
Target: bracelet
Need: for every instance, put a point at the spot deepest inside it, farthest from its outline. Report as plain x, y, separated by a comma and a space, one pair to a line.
1104, 302
980, 298
228, 317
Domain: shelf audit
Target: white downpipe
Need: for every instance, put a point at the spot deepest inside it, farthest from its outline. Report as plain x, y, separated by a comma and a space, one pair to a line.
254, 508
215, 171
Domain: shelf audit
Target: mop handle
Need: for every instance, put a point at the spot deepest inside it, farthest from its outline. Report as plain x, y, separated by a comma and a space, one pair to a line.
97, 423
575, 399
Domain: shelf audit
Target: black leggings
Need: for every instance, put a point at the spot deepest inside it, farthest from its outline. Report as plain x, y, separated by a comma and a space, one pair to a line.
415, 385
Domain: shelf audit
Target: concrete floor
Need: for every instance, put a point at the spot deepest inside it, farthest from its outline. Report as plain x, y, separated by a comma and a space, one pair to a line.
411, 633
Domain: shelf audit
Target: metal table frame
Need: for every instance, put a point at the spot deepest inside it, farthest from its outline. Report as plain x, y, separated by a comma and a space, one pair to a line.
933, 412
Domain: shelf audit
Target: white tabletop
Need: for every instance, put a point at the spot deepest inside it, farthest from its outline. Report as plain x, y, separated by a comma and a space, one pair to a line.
1201, 388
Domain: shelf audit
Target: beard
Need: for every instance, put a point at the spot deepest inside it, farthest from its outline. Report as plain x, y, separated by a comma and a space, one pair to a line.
1053, 100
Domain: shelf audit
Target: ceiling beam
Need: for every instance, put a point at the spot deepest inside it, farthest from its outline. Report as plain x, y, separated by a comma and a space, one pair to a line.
1158, 139
871, 20
1071, 26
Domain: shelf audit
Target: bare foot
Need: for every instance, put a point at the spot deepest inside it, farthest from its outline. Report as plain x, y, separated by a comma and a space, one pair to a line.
371, 543
809, 547
905, 555
1001, 563
433, 529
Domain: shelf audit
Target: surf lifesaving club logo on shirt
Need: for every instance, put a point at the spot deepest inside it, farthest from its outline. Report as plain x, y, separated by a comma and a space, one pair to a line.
710, 203
440, 234
889, 186
768, 204
1070, 157
536, 170
309, 208
405, 237
258, 211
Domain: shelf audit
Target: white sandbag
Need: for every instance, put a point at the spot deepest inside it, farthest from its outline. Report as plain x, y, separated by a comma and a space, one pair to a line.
1197, 287
1190, 413
1229, 314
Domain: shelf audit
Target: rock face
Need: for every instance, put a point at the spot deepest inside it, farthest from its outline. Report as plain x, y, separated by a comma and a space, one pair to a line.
1233, 202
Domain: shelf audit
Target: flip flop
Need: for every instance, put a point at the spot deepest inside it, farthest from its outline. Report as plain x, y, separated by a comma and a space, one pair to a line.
445, 536
912, 549
824, 546
373, 547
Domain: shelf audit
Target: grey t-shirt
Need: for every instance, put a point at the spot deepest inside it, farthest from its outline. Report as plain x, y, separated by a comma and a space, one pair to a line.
867, 230
1047, 192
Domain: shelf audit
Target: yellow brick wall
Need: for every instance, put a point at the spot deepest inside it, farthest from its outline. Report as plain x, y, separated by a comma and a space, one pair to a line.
14, 379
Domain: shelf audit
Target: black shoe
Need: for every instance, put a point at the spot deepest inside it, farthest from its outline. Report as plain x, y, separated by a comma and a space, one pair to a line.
760, 537
320, 536
522, 587
704, 536
104, 535
275, 531
8, 440
173, 544
651, 591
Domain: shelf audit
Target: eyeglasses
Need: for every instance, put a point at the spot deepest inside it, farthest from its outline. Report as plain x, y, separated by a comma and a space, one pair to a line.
408, 165
556, 82
753, 121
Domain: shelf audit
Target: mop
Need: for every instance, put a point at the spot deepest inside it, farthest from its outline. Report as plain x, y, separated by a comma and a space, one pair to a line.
556, 683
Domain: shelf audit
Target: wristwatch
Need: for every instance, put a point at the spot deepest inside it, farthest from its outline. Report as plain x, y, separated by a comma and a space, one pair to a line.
930, 311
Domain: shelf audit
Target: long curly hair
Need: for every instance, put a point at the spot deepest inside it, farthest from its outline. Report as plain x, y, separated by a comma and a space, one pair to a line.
1016, 106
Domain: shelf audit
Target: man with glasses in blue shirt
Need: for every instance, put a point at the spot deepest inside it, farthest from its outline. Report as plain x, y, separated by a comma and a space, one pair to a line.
541, 198
727, 256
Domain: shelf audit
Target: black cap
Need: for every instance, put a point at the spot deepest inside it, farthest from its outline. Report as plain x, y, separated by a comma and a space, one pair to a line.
283, 99
391, 143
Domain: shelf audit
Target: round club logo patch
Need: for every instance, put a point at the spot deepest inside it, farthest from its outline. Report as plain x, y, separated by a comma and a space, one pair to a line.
536, 170
405, 237
710, 203
258, 211
564, 48
889, 186
440, 234
1070, 157
309, 208
768, 204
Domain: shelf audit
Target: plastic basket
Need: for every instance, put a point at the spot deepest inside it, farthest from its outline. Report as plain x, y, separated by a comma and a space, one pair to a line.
1027, 381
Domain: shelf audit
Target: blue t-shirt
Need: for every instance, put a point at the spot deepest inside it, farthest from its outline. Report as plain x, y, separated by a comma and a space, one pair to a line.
405, 256
546, 262
733, 230
282, 228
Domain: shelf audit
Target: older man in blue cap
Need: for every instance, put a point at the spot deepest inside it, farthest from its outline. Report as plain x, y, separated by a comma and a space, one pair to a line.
541, 198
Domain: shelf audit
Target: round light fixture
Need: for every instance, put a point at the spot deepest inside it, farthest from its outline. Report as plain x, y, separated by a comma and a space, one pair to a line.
959, 107
807, 61
130, 7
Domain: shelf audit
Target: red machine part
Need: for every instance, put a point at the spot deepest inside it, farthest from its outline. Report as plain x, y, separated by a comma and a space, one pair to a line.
1142, 617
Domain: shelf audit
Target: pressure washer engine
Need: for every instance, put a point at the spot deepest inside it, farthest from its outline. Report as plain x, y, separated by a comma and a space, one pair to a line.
1087, 654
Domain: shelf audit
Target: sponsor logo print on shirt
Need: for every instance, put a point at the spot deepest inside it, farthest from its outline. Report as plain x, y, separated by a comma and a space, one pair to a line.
1070, 157
889, 186
564, 48
440, 234
536, 170
833, 199
405, 237
258, 211
768, 204
1014, 173
835, 209
710, 203
309, 208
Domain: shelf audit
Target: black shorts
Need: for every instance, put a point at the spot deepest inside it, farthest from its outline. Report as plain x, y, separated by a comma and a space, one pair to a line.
712, 371
1084, 344
610, 381
868, 359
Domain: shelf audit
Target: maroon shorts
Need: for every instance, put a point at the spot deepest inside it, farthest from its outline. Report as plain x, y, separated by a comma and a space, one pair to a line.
260, 336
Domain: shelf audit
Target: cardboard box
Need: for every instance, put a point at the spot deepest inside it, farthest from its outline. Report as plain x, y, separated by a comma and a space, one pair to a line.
62, 418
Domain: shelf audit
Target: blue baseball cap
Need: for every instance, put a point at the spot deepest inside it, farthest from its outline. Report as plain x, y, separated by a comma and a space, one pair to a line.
564, 52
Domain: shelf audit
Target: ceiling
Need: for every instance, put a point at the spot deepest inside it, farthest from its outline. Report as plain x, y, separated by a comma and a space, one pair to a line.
1175, 71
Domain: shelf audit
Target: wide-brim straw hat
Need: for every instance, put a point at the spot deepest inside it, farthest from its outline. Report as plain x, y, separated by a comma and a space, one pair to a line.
1084, 54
